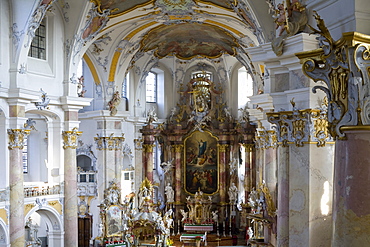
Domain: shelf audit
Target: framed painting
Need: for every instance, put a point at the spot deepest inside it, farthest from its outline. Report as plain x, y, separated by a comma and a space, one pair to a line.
113, 221
201, 163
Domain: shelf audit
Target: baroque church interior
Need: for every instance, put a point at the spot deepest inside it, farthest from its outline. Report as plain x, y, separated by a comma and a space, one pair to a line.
184, 122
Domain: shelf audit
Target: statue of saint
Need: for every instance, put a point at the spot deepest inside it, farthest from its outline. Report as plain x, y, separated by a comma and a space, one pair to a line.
169, 193
233, 193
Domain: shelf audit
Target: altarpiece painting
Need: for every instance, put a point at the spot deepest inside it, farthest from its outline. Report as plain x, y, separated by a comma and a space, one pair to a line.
201, 163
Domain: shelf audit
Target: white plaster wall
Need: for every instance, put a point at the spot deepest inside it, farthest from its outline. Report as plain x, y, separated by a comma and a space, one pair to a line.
339, 15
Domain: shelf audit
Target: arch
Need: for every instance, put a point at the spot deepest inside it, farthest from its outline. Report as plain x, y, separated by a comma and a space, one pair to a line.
4, 165
85, 150
4, 234
53, 221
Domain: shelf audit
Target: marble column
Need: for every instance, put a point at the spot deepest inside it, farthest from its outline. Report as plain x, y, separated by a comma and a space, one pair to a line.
178, 172
148, 133
248, 169
118, 158
148, 161
222, 148
16, 209
138, 167
106, 162
70, 187
351, 211
283, 197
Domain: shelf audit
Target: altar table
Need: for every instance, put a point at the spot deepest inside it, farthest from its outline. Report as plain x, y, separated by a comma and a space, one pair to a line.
201, 228
188, 236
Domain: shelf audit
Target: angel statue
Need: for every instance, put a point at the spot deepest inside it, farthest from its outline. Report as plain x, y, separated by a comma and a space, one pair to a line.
151, 116
215, 216
184, 215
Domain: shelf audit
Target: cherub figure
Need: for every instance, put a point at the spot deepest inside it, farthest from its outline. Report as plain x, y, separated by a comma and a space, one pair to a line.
281, 19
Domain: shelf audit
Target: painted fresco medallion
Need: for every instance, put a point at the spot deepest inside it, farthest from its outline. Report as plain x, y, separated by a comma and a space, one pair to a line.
189, 40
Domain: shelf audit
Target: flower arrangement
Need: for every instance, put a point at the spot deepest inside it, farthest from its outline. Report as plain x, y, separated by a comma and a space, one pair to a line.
169, 242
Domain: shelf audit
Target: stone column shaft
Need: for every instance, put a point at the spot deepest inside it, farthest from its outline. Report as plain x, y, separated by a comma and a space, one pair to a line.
148, 161
283, 197
248, 169
178, 172
351, 211
16, 212
70, 187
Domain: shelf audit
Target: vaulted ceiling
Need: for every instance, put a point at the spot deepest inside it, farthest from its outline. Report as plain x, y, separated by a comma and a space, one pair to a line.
186, 28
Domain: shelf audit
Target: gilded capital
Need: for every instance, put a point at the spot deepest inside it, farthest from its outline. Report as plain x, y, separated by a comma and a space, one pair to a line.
148, 148
248, 147
70, 138
177, 148
307, 126
16, 138
266, 139
109, 142
222, 147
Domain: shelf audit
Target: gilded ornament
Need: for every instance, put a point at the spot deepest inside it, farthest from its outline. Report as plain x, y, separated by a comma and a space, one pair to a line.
148, 148
223, 147
70, 138
248, 147
16, 138
109, 143
270, 206
178, 148
343, 65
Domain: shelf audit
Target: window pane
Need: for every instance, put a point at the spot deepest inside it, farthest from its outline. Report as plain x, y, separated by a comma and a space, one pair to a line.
83, 178
38, 44
25, 156
151, 87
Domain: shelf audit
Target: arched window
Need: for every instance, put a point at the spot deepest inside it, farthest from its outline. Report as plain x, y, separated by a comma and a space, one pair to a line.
125, 86
245, 87
38, 44
151, 87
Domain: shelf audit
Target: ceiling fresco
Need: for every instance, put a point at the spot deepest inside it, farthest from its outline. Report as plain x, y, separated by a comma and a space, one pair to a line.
185, 29
122, 6
119, 7
189, 40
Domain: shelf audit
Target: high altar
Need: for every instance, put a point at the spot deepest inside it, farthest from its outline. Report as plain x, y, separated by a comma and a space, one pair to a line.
201, 156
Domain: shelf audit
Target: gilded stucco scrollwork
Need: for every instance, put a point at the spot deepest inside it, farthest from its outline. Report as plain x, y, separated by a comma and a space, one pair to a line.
343, 66
265, 138
138, 144
16, 138
70, 138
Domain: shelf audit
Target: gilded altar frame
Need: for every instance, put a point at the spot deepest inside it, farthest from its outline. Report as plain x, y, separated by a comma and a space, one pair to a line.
201, 163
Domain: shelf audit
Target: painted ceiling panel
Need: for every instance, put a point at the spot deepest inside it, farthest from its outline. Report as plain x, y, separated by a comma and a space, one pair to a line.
189, 40
120, 6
